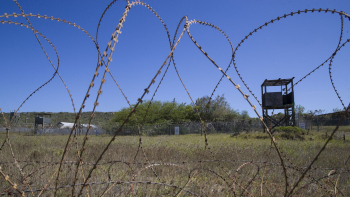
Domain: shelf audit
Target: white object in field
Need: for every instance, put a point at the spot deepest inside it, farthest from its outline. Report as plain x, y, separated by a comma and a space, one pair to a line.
69, 125
302, 125
177, 130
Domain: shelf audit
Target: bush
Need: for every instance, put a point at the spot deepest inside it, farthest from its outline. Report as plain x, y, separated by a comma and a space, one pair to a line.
289, 132
251, 135
290, 129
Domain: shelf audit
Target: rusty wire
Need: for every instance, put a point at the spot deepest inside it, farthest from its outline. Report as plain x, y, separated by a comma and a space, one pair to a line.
104, 59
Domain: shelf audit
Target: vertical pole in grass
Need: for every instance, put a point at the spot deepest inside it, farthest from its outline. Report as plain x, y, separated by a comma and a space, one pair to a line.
318, 126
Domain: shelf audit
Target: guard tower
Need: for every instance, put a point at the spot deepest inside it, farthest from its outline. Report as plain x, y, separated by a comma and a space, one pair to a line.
283, 99
15, 116
42, 119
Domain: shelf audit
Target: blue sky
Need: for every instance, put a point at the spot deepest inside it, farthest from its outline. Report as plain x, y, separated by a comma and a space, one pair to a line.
291, 47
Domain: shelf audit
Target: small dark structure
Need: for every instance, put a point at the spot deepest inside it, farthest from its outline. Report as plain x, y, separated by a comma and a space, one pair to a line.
42, 119
15, 116
278, 100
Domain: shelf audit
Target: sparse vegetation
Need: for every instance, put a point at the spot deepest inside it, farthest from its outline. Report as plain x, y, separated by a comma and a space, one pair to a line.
246, 163
182, 155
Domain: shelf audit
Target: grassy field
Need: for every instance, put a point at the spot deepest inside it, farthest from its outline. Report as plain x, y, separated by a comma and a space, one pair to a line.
242, 165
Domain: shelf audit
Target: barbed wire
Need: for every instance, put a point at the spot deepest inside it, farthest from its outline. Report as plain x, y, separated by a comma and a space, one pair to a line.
104, 60
332, 171
155, 163
102, 183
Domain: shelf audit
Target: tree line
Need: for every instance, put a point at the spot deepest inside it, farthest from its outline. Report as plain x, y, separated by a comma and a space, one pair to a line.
24, 118
158, 112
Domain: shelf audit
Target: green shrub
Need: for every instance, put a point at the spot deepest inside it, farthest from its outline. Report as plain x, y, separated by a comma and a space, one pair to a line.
290, 129
289, 133
251, 135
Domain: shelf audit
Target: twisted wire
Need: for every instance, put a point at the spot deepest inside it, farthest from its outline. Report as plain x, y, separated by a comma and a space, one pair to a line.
104, 60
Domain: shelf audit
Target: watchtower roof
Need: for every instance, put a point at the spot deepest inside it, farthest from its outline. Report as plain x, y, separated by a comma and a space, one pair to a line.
277, 82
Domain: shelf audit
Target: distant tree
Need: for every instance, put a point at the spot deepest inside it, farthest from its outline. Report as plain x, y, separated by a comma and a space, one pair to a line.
160, 112
244, 114
337, 110
278, 116
299, 109
232, 115
157, 112
311, 114
319, 111
217, 110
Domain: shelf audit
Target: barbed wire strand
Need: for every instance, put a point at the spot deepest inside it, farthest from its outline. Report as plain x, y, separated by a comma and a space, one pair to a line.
14, 185
245, 96
330, 75
318, 154
118, 182
139, 100
100, 63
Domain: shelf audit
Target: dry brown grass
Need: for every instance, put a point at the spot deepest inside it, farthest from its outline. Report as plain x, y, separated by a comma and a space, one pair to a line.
251, 162
170, 165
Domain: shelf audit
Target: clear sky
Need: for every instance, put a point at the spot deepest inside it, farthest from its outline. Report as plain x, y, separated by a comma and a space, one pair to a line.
291, 47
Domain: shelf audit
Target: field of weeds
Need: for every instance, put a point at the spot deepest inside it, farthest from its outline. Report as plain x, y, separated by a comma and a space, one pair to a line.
175, 165
288, 163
